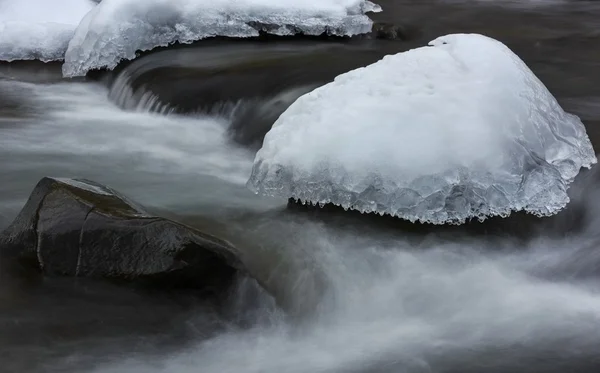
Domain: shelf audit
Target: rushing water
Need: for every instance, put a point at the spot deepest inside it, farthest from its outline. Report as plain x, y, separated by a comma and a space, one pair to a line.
365, 295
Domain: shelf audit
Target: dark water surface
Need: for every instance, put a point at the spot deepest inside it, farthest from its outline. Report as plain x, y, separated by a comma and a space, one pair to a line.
374, 297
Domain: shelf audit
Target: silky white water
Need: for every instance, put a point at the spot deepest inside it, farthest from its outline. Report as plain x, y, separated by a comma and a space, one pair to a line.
395, 304
361, 295
369, 299
73, 130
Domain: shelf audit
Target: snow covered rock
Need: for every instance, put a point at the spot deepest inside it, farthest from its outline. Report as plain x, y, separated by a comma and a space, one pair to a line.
116, 29
455, 130
39, 29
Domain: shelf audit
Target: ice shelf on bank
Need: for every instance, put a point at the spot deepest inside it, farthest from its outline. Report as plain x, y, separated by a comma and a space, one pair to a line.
455, 130
116, 29
39, 29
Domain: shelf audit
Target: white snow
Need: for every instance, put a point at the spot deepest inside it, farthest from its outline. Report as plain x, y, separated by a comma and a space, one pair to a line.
39, 29
116, 29
456, 130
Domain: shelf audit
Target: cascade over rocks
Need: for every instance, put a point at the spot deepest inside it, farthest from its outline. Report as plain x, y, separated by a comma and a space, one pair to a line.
248, 81
72, 227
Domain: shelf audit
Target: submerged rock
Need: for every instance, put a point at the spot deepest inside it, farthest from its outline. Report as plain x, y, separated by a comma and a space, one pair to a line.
392, 31
72, 227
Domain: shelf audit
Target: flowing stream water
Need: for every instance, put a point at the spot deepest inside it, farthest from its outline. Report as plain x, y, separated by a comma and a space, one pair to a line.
367, 295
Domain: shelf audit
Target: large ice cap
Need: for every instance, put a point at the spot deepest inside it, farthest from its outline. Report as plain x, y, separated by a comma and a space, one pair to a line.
455, 130
39, 29
116, 29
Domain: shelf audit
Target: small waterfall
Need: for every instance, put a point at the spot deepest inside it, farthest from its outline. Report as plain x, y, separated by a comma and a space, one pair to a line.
140, 100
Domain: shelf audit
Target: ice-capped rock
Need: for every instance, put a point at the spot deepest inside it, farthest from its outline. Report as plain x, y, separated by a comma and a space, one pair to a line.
39, 29
455, 130
116, 29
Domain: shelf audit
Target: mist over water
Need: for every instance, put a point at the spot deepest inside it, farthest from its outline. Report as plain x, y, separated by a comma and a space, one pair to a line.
354, 293
395, 302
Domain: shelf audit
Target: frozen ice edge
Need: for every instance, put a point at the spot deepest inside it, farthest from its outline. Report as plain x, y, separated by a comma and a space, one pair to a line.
39, 29
98, 43
307, 191
22, 47
540, 189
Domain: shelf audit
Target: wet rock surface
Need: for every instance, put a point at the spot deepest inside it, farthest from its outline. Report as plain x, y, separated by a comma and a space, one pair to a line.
80, 228
103, 269
393, 31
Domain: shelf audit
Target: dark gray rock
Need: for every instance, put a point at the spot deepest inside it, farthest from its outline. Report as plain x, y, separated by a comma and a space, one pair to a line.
79, 228
390, 31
